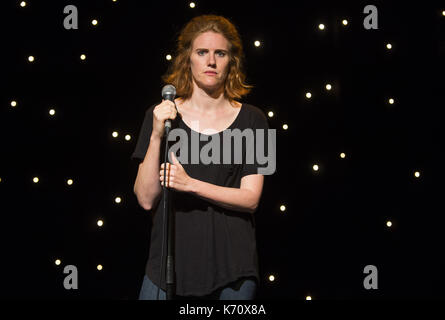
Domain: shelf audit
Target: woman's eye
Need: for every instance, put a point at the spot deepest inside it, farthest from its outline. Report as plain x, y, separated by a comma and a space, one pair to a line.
221, 54
201, 52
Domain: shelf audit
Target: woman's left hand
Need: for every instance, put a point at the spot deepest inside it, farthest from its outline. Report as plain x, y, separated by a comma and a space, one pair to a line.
177, 178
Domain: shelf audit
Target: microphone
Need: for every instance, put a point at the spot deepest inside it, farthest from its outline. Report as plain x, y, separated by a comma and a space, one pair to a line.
168, 93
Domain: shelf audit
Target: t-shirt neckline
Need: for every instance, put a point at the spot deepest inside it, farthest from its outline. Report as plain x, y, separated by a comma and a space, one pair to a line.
219, 132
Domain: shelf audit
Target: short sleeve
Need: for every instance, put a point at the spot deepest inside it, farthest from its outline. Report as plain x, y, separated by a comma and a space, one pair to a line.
144, 136
264, 147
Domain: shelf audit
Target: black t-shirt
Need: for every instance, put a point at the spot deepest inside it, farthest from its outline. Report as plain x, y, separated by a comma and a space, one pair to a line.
214, 246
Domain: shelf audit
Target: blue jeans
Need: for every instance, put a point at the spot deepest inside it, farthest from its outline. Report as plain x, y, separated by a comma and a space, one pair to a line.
243, 289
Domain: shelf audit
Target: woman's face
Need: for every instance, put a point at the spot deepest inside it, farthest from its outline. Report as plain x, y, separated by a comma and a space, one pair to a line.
209, 60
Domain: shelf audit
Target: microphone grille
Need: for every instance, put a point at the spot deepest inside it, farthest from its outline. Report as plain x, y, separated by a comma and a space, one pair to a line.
168, 91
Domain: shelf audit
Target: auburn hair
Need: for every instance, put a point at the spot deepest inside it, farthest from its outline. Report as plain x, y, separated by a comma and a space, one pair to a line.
179, 72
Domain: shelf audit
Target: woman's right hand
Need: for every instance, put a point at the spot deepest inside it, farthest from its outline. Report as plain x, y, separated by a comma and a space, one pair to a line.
163, 111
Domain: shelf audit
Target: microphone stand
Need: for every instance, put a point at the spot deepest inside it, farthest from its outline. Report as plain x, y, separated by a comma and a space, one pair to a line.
169, 217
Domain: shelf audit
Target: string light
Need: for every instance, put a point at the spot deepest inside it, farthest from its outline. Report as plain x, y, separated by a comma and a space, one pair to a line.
270, 114
257, 43
94, 22
388, 224
31, 58
83, 57
391, 101
115, 134
321, 26
35, 179
118, 200
271, 278
52, 112
328, 87
285, 126
308, 95
308, 298
168, 57
283, 207
23, 4
417, 174
127, 137
389, 46
99, 267
345, 22
315, 167
342, 155
443, 13
100, 223
192, 5
13, 103
57, 262
69, 182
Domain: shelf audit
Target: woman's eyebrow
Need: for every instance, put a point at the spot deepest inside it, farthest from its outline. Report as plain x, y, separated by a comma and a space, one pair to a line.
203, 49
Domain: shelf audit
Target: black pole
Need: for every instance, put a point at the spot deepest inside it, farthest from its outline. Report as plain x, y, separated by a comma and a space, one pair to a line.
168, 215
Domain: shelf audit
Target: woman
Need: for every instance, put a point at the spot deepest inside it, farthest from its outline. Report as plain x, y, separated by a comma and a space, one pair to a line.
215, 245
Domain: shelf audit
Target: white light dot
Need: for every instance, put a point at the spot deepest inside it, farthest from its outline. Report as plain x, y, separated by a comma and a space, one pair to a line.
328, 87
283, 207
257, 43
388, 224
270, 114
0, 179
389, 46
99, 267
35, 179
83, 57
23, 4
13, 103
443, 13
308, 95
94, 22
285, 126
115, 134
271, 278
342, 155
127, 137
31, 59
168, 57
417, 174
69, 182
321, 26
117, 200
315, 167
308, 298
391, 101
114, 0
100, 223
52, 112
345, 22
192, 5
57, 262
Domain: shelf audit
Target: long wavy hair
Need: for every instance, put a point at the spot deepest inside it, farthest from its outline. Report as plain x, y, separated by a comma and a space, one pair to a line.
179, 72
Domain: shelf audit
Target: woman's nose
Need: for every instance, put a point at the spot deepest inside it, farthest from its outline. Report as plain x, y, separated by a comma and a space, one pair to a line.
211, 61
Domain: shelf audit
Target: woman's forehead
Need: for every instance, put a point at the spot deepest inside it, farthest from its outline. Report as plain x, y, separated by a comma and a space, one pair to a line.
211, 40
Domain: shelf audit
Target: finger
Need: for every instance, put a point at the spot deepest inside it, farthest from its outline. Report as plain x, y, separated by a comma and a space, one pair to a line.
175, 161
